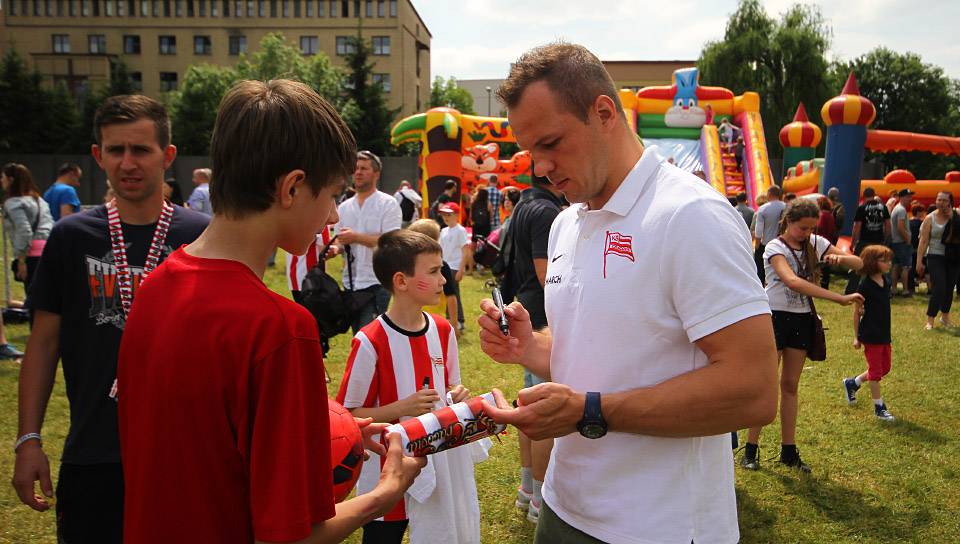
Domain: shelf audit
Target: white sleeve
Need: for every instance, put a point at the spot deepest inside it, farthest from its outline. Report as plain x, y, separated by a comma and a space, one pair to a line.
820, 245
358, 379
453, 359
775, 247
462, 234
392, 216
712, 282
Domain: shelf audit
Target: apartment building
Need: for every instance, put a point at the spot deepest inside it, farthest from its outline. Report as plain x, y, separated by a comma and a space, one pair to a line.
75, 41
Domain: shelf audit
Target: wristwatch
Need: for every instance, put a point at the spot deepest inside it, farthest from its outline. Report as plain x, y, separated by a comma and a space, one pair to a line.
592, 425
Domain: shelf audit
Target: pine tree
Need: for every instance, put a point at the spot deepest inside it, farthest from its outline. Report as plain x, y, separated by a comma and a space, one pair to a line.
365, 110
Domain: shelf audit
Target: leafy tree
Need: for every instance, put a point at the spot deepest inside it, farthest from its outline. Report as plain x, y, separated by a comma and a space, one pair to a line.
448, 94
32, 118
909, 96
366, 110
783, 60
120, 83
194, 105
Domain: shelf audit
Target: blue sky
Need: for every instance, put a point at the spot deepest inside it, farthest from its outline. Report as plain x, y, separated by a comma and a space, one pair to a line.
479, 38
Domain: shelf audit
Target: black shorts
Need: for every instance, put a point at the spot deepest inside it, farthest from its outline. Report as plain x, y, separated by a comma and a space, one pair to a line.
90, 503
792, 330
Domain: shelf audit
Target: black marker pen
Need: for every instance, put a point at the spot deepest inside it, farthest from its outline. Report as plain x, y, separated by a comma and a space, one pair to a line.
498, 300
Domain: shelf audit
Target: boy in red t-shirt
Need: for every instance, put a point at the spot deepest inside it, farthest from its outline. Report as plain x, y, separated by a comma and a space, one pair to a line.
223, 408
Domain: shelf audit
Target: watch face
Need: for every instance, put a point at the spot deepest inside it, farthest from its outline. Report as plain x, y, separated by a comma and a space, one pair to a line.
593, 430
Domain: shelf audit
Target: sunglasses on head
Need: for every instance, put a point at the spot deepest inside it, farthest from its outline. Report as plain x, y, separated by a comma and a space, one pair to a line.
370, 156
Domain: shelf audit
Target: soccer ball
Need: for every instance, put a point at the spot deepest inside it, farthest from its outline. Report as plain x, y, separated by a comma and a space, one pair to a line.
346, 450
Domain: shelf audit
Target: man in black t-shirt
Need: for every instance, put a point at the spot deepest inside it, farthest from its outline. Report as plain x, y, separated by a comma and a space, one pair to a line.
871, 225
80, 315
530, 233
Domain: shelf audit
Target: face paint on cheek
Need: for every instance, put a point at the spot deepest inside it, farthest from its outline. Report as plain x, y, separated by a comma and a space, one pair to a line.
424, 285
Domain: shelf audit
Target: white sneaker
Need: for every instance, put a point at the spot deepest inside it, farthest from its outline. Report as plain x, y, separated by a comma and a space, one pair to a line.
533, 513
523, 499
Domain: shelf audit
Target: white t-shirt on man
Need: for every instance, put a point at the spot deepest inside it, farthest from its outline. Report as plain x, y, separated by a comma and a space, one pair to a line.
380, 213
452, 240
629, 288
782, 298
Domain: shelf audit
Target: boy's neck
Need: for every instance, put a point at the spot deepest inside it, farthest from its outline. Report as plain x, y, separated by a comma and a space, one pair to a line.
249, 241
406, 314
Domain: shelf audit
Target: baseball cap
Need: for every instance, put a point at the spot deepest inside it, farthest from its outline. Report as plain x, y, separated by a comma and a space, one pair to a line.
449, 207
905, 192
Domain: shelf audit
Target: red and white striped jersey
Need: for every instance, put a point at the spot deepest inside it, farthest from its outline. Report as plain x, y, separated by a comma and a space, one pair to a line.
299, 265
388, 364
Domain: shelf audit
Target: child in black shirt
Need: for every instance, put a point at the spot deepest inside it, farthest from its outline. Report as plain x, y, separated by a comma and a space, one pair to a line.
871, 326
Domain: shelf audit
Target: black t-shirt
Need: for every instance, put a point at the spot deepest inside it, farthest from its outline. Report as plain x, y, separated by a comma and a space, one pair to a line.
449, 288
76, 279
875, 322
530, 229
872, 215
915, 225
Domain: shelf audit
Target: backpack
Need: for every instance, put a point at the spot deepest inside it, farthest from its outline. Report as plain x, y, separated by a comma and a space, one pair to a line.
407, 208
332, 307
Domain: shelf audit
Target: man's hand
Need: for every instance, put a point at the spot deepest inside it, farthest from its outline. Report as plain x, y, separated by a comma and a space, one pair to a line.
856, 344
421, 402
346, 236
459, 393
547, 410
397, 473
500, 348
371, 434
31, 465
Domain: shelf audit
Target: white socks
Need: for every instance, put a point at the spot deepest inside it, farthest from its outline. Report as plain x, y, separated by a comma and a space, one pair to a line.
526, 479
858, 381
878, 402
537, 488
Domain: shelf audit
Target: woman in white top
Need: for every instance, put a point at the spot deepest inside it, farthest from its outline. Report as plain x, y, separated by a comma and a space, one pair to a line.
792, 264
943, 268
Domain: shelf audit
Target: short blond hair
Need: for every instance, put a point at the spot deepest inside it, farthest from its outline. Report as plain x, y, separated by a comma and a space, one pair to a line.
428, 227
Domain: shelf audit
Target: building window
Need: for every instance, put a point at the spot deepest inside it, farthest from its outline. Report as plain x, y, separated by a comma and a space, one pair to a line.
286, 8
334, 8
213, 8
344, 8
97, 44
168, 81
136, 78
61, 43
356, 8
144, 8
250, 8
393, 8
380, 12
190, 10
168, 45
131, 45
238, 45
309, 8
202, 45
262, 8
381, 45
156, 9
383, 80
166, 8
321, 8
108, 8
85, 8
309, 45
72, 8
345, 46
296, 8
368, 8
121, 8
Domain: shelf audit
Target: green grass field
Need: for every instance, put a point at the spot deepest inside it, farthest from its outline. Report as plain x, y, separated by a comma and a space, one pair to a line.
872, 482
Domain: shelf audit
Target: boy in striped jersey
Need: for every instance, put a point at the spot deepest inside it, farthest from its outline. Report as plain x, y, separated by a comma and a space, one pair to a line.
402, 365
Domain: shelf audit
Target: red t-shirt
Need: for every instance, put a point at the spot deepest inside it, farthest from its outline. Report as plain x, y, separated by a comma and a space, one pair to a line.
224, 431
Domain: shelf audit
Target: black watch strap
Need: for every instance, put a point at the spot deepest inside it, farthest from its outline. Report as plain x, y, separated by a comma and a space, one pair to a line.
591, 408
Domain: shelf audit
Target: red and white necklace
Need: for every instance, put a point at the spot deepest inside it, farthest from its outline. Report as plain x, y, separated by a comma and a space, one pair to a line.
124, 278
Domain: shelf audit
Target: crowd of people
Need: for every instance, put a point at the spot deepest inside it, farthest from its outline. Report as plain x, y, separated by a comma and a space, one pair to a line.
239, 411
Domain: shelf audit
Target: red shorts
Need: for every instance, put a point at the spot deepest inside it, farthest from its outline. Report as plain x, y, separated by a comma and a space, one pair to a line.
878, 360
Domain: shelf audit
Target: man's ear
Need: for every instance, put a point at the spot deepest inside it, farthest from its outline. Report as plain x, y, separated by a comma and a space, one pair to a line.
169, 155
287, 187
97, 154
606, 111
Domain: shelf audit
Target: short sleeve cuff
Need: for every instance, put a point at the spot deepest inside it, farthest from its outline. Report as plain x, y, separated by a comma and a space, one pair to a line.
712, 324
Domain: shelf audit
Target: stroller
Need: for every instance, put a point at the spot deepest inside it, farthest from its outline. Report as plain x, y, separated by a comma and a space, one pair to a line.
486, 249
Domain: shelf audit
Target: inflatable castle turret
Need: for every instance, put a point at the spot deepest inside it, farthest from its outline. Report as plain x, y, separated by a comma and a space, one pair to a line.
847, 117
799, 139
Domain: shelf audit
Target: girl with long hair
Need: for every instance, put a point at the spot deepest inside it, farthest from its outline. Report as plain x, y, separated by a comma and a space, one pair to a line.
792, 265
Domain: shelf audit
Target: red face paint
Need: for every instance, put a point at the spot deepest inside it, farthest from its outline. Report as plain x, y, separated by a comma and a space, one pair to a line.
424, 285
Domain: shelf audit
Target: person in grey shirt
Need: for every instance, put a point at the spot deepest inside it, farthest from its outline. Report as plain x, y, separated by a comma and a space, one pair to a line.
745, 210
900, 238
768, 226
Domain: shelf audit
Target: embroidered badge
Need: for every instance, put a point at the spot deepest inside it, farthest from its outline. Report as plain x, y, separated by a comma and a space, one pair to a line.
617, 244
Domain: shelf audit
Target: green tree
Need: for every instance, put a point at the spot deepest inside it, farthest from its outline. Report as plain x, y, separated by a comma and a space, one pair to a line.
365, 110
909, 96
120, 83
194, 105
33, 119
783, 60
447, 93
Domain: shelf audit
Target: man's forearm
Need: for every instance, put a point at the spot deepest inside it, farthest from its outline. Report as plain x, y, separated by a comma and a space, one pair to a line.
369, 240
37, 372
537, 357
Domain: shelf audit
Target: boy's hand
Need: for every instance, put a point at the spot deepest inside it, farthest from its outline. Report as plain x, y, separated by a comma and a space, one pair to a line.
459, 275
459, 393
856, 344
397, 474
371, 434
420, 402
332, 251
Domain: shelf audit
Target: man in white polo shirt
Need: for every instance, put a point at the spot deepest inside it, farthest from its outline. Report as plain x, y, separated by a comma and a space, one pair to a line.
363, 218
650, 292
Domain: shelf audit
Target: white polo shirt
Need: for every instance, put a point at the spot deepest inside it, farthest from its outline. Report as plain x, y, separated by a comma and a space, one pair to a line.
379, 213
629, 288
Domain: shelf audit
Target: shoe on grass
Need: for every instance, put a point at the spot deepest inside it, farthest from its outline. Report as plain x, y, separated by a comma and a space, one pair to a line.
882, 413
850, 389
8, 351
790, 456
751, 457
533, 513
523, 498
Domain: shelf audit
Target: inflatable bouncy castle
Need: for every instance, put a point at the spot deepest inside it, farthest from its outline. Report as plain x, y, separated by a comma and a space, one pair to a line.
460, 147
682, 121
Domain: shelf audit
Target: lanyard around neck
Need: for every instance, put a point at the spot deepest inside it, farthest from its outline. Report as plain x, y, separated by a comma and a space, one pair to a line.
124, 277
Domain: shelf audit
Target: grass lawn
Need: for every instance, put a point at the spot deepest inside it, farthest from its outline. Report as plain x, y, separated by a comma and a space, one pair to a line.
872, 482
